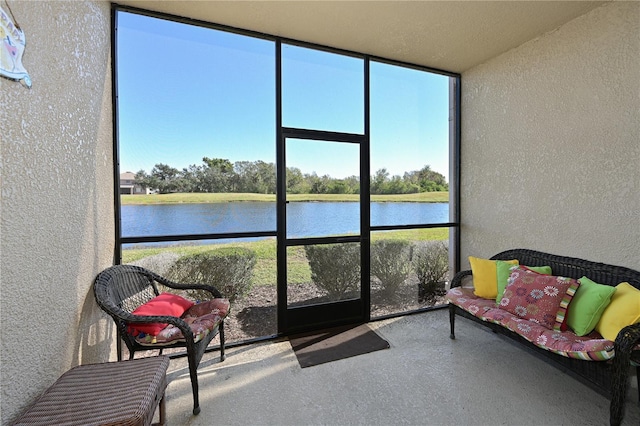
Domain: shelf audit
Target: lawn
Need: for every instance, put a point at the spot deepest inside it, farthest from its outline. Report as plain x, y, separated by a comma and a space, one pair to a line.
197, 197
265, 271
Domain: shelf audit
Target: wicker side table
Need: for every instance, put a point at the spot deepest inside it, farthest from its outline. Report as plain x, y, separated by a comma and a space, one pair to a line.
112, 393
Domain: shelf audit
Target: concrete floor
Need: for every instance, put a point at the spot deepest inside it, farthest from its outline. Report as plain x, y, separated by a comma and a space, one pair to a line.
423, 379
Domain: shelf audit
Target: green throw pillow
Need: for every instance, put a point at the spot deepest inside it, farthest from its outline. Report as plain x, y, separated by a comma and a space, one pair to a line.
587, 305
503, 270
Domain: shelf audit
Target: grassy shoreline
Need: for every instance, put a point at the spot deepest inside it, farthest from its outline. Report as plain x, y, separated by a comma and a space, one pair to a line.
264, 272
199, 197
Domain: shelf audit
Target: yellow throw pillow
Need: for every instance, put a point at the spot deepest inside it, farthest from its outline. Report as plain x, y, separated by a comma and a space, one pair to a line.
485, 277
623, 310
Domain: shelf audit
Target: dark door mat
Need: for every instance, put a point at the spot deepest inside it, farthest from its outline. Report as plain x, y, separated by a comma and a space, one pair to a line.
332, 344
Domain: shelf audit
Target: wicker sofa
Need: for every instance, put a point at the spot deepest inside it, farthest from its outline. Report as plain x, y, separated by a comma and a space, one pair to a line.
607, 372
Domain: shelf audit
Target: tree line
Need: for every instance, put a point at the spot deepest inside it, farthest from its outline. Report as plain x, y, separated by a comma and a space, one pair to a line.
220, 175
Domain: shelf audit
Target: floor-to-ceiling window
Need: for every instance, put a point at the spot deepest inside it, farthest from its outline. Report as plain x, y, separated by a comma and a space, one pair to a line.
306, 183
410, 180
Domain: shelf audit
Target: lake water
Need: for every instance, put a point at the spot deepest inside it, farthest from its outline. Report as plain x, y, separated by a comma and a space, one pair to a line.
304, 219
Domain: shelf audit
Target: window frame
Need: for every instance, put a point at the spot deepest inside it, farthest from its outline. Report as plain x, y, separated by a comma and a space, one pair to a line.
454, 141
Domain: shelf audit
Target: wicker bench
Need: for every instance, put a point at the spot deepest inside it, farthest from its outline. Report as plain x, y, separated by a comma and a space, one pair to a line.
609, 378
113, 393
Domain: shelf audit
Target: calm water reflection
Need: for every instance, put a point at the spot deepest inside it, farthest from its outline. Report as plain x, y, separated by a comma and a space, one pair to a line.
304, 219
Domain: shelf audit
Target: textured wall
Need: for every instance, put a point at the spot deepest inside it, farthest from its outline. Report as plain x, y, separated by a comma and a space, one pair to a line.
550, 153
551, 143
57, 198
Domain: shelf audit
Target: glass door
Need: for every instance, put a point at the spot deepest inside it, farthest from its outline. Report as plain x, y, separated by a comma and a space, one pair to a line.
321, 245
322, 217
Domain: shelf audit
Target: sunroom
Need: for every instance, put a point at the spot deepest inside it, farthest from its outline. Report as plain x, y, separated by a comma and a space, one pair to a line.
541, 104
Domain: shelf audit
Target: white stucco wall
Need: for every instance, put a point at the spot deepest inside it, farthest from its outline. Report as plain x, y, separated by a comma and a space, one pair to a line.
550, 146
551, 143
57, 198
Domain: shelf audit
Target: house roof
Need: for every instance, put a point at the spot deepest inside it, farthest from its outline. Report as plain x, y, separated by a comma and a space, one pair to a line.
447, 35
127, 176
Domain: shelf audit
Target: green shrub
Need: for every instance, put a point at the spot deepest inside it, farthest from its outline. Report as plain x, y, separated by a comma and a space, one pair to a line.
335, 268
431, 264
228, 269
391, 264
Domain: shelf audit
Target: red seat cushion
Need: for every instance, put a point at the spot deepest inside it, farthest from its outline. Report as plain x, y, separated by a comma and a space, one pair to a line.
166, 304
202, 318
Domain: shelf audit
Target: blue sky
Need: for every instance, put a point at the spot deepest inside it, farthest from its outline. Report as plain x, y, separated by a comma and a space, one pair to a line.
186, 92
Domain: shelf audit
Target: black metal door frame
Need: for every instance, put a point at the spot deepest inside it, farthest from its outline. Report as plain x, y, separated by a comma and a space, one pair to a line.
302, 318
295, 319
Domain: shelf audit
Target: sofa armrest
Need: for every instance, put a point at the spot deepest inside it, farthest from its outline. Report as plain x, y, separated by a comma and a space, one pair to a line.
458, 278
627, 339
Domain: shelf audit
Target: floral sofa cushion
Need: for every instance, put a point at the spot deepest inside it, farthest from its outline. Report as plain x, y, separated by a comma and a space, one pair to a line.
202, 318
566, 343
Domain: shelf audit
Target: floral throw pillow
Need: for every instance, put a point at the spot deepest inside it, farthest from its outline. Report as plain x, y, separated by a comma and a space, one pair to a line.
543, 299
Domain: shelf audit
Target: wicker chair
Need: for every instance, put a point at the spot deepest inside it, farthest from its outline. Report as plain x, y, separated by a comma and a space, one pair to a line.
120, 289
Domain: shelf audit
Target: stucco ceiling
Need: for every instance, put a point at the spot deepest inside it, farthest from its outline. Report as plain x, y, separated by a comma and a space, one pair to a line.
447, 35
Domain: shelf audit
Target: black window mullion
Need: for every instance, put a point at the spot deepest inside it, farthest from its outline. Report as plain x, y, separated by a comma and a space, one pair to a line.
365, 200
281, 197
117, 255
321, 135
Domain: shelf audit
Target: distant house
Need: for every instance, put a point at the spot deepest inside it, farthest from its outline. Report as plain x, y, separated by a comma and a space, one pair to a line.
128, 184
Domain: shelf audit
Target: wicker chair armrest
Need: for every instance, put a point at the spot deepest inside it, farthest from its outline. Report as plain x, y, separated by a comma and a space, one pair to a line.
186, 286
457, 279
178, 286
163, 319
146, 319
